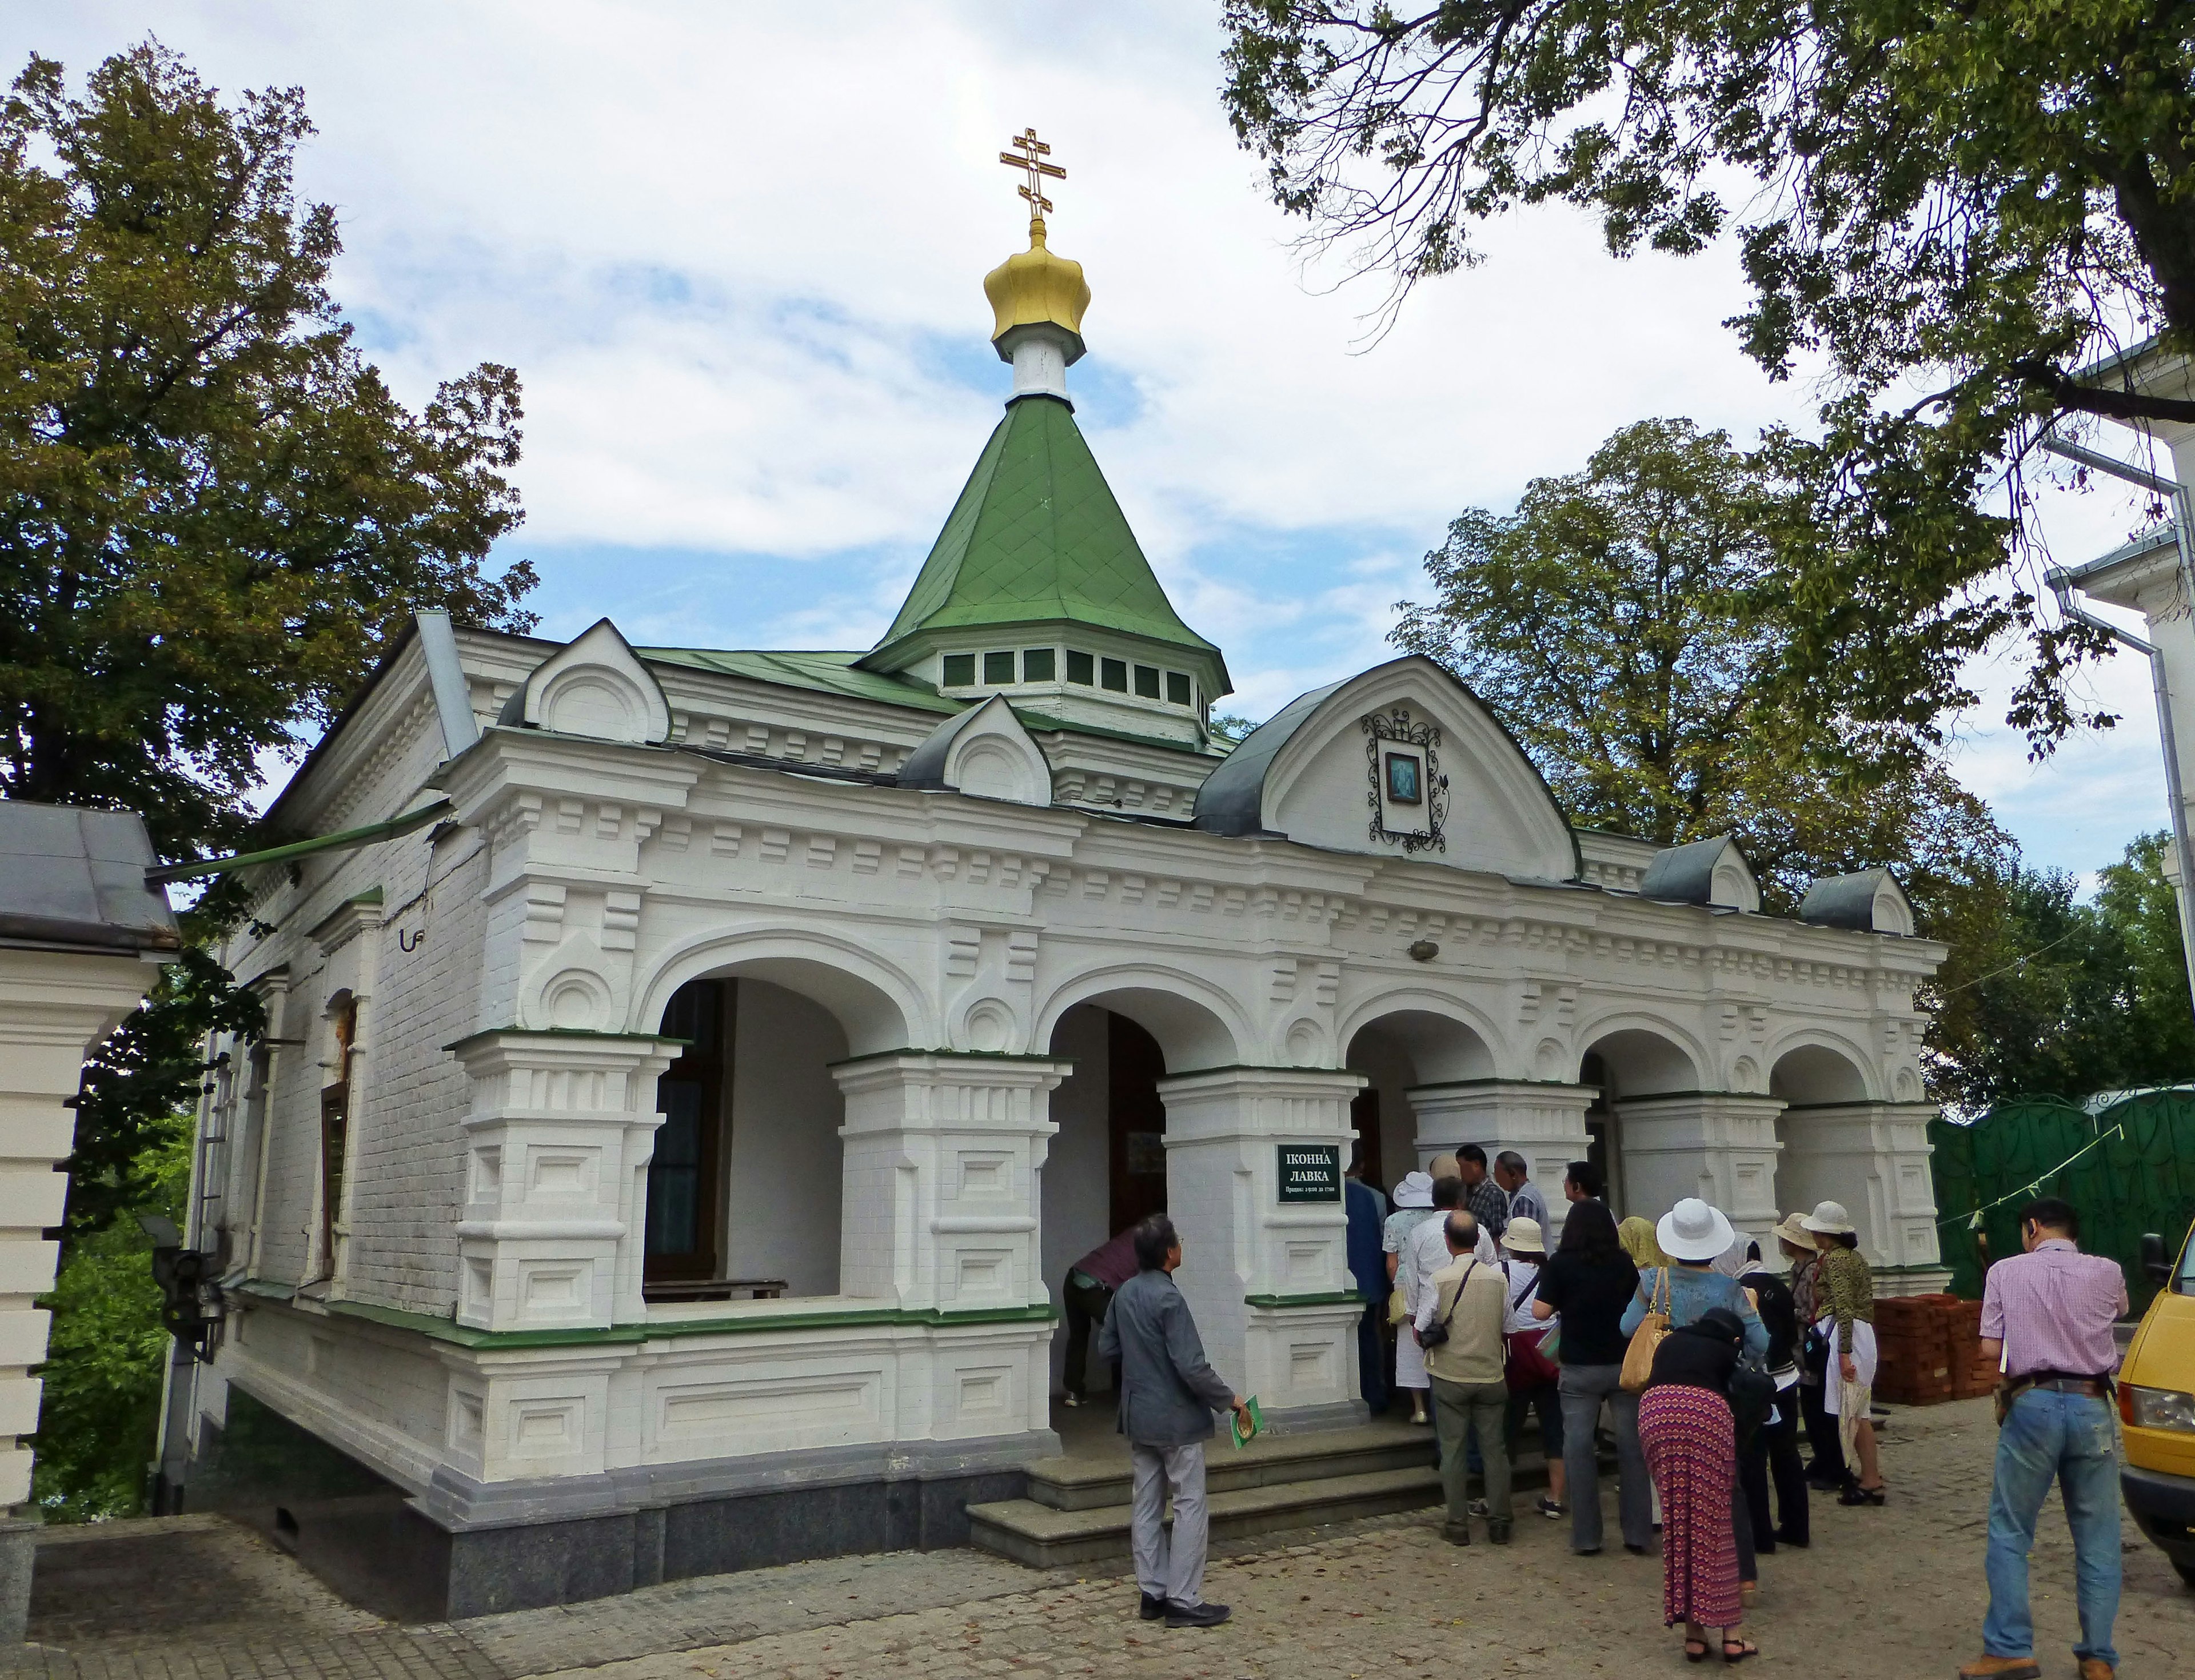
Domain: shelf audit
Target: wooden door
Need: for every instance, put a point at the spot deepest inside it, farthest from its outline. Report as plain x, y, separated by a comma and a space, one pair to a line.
1134, 1066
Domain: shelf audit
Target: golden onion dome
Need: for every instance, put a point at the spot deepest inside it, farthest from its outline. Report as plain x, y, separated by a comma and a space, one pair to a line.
1034, 287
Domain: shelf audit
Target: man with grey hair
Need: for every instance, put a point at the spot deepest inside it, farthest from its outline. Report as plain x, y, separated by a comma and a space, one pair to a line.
1458, 1322
1169, 1393
1514, 1175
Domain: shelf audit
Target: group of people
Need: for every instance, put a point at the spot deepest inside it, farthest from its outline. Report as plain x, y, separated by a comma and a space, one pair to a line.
1706, 1363
1491, 1328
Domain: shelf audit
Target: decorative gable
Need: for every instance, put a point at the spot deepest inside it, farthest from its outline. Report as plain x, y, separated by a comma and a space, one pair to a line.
984, 751
1402, 759
595, 686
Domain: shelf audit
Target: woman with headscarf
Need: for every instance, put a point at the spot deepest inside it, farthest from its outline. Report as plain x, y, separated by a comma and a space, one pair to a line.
1846, 1298
1686, 1426
1413, 1205
1637, 1236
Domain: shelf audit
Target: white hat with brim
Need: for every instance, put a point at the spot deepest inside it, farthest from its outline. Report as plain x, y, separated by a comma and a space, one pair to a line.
1416, 1190
1831, 1220
1523, 1235
1691, 1230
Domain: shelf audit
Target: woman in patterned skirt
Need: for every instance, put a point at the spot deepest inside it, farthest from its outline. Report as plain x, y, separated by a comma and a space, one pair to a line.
1685, 1424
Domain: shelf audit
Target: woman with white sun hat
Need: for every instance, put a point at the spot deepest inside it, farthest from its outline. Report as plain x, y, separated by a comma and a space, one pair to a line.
1846, 1294
1694, 1235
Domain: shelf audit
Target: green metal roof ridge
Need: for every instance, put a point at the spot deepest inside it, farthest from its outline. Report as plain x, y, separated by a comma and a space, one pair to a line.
1036, 534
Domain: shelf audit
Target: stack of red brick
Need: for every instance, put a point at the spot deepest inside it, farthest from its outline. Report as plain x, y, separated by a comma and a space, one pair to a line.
1930, 1348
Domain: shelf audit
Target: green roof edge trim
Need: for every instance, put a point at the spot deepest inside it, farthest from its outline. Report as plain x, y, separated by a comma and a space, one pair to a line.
1336, 1297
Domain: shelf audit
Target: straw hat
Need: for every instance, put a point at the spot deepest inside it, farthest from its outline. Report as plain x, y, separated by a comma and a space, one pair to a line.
1523, 1235
1792, 1230
1831, 1218
1691, 1230
1416, 1190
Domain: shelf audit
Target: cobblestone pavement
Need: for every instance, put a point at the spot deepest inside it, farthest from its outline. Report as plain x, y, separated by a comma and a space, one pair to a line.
1887, 1593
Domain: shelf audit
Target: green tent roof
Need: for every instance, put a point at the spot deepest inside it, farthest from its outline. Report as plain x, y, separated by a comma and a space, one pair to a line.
1037, 537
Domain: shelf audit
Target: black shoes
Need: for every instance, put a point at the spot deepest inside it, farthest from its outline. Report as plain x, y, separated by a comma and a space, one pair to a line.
1498, 1531
1785, 1538
1196, 1615
1636, 1551
1456, 1533
1153, 1608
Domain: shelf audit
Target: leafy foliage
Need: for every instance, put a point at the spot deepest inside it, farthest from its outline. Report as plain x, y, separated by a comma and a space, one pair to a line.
2055, 997
1627, 622
99, 1416
1951, 206
214, 514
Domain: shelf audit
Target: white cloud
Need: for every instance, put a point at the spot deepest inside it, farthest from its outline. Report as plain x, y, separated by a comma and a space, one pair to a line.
735, 254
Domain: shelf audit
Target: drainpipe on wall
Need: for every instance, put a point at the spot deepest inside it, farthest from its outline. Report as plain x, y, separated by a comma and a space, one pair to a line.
2183, 533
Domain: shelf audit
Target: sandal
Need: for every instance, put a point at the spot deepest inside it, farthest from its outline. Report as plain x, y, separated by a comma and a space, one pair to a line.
1855, 1494
1695, 1650
1743, 1648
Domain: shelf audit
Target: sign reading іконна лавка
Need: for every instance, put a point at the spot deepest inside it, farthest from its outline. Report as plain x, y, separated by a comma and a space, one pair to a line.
1310, 1172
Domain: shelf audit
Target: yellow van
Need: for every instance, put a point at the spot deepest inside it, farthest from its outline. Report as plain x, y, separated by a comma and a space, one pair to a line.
2157, 1405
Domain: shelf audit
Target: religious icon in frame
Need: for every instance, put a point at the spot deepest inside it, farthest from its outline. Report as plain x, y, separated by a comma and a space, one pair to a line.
1404, 778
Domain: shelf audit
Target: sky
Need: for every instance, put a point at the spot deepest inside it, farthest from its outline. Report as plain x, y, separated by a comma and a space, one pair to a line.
735, 253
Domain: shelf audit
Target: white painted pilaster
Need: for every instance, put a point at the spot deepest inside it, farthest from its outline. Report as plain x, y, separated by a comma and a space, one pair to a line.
1544, 1123
561, 1129
1714, 1145
1268, 1279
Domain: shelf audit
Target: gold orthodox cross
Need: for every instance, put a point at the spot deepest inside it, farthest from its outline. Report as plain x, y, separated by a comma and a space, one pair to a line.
1033, 152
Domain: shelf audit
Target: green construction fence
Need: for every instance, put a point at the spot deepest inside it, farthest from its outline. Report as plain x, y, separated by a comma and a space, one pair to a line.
2129, 1168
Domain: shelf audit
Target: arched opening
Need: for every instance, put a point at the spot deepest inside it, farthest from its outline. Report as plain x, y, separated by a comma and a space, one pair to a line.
1106, 1166
1401, 1050
745, 1187
1817, 1162
1634, 1064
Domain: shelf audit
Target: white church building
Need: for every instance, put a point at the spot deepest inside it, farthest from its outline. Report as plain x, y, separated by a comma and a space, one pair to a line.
684, 1100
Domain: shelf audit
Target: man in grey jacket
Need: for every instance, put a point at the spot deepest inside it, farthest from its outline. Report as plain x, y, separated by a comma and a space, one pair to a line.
1169, 1393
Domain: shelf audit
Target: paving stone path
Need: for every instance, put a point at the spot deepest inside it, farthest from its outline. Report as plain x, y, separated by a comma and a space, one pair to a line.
1883, 1594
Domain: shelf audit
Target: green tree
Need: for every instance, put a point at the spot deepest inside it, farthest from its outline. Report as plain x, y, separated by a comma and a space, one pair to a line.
1951, 206
1624, 622
2054, 996
214, 514
99, 1415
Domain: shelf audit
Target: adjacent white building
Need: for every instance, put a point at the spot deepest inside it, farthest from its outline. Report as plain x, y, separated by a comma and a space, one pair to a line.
666, 1161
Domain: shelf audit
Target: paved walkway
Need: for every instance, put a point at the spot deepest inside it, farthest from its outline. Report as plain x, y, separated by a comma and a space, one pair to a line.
1883, 1594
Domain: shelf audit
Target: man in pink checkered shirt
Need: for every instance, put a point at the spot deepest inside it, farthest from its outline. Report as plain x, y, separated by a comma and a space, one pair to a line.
2047, 1315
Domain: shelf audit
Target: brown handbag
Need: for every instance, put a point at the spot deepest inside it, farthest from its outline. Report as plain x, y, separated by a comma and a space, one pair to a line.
1639, 1357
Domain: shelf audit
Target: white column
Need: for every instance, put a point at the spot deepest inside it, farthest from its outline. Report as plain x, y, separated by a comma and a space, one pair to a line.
1544, 1123
1268, 1279
558, 1140
1716, 1146
1873, 1157
54, 1007
944, 1158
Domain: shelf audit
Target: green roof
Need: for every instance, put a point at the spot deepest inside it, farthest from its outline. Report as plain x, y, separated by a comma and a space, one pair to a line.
1037, 537
832, 673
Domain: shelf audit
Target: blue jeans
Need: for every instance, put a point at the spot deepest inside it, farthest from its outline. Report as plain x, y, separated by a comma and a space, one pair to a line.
2068, 1436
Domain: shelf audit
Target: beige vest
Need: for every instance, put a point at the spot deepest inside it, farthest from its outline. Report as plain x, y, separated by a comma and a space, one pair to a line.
1473, 1352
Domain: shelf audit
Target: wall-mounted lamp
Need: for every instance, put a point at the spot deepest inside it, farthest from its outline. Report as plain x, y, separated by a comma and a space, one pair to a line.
1423, 951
